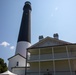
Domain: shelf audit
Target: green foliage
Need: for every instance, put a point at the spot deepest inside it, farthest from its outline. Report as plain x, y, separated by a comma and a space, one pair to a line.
3, 66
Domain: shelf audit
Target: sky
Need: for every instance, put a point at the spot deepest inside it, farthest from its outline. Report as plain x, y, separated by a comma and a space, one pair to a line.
47, 17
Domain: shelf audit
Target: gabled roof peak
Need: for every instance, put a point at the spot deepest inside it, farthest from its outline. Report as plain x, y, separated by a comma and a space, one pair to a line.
49, 41
16, 55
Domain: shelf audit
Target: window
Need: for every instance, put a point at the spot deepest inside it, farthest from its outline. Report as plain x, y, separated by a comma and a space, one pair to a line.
17, 64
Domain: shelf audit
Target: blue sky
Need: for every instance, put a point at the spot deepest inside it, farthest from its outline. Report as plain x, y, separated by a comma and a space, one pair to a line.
48, 17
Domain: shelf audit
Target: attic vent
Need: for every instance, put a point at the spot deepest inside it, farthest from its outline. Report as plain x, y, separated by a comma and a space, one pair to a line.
41, 37
56, 36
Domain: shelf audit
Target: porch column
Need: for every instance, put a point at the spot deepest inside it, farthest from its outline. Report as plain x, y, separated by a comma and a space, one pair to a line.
68, 60
53, 60
39, 61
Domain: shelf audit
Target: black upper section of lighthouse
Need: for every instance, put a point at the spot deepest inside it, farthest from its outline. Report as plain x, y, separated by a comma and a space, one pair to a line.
25, 28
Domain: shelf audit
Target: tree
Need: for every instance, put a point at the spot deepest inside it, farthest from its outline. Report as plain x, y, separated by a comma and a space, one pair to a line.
3, 66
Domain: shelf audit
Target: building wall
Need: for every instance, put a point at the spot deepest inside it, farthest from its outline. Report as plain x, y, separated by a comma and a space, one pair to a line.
64, 67
34, 67
59, 60
46, 65
74, 65
13, 62
19, 71
61, 67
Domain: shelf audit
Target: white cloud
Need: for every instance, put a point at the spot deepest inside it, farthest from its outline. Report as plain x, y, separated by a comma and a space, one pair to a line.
56, 8
12, 47
5, 44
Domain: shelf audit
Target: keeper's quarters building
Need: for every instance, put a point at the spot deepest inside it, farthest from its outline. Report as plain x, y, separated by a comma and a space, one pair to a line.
49, 56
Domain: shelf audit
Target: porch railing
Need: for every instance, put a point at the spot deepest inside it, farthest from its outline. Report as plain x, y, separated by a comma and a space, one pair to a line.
51, 73
50, 56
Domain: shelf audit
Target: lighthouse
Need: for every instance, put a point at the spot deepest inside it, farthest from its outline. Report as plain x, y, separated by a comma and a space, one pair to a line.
24, 38
17, 63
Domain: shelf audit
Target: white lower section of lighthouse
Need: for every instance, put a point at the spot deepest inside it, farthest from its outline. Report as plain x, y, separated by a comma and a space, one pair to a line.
19, 59
21, 48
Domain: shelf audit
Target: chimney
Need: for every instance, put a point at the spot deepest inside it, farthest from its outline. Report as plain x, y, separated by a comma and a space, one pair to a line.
56, 36
41, 37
